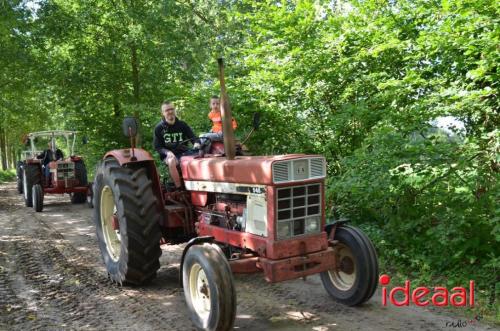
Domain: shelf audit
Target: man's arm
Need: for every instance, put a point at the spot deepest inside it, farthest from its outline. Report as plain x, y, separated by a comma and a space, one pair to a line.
59, 154
46, 156
188, 133
159, 143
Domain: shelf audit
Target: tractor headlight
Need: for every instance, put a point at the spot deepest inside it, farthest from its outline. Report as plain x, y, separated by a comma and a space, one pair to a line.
284, 230
312, 224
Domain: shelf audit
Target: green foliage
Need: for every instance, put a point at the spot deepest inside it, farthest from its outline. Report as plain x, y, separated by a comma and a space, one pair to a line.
7, 175
361, 84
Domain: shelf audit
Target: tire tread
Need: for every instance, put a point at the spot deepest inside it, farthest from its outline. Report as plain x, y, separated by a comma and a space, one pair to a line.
135, 202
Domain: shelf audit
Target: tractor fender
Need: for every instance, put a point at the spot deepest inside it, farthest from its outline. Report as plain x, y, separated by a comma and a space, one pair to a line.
192, 242
124, 156
143, 158
330, 227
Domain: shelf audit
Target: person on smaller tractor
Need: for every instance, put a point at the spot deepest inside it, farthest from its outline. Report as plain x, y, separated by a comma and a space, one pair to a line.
48, 156
171, 138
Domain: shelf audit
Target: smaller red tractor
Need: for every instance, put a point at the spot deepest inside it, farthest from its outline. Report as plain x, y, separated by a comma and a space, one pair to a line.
57, 176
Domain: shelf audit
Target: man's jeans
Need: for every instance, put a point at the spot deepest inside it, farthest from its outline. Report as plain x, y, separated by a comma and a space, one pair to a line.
46, 172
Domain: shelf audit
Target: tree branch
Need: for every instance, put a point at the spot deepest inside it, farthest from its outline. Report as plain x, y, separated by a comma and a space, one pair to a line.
196, 12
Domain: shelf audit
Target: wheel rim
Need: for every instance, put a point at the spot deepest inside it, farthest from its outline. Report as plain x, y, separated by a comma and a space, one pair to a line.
199, 291
111, 235
343, 276
25, 186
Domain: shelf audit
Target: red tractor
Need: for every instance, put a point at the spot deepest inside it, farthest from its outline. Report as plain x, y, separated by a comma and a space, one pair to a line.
238, 214
49, 172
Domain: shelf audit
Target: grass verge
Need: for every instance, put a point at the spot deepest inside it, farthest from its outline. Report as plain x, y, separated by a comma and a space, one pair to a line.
7, 175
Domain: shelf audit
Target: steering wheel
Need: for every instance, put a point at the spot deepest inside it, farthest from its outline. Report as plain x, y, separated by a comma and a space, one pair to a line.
205, 141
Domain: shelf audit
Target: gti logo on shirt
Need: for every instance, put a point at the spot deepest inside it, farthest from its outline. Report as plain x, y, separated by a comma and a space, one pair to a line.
172, 137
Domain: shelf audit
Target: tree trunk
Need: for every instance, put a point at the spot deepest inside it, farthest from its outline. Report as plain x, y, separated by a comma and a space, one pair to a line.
3, 151
135, 73
7, 150
116, 89
136, 84
116, 107
13, 158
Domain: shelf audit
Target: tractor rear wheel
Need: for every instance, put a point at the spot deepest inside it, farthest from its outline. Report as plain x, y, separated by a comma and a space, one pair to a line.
354, 278
127, 223
19, 173
37, 192
90, 196
209, 287
78, 197
31, 176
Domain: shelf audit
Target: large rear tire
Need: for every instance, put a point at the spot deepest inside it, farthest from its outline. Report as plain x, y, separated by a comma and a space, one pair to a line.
209, 288
354, 279
31, 176
127, 223
37, 197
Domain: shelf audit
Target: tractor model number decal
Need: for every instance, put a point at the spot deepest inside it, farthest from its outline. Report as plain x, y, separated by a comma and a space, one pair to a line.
223, 187
250, 189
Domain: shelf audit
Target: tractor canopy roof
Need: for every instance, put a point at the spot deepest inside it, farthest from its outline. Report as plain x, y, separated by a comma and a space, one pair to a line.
64, 139
52, 133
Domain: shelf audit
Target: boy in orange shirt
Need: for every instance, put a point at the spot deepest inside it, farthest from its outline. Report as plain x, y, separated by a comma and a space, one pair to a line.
215, 116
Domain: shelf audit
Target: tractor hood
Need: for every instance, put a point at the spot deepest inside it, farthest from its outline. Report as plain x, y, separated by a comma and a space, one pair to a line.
265, 170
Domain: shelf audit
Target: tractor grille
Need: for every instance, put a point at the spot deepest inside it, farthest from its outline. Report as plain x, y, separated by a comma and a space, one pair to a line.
299, 169
298, 210
65, 170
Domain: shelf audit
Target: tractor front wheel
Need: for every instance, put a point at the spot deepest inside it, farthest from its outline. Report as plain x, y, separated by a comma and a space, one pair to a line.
209, 288
37, 193
354, 278
31, 176
127, 223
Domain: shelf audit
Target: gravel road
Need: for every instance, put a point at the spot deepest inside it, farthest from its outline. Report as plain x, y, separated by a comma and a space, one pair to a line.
52, 278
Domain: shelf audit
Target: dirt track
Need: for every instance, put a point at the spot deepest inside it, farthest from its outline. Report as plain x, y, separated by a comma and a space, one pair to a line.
52, 278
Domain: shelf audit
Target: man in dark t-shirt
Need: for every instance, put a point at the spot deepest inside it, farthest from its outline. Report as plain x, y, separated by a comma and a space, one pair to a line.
48, 156
171, 138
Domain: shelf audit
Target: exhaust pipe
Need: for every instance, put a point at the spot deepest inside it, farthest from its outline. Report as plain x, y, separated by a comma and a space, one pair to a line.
227, 118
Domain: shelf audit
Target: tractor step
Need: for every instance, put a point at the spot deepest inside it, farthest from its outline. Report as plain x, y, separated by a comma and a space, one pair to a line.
175, 209
177, 215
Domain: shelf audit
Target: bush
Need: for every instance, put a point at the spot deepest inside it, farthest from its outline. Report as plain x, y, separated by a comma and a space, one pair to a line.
429, 204
7, 175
